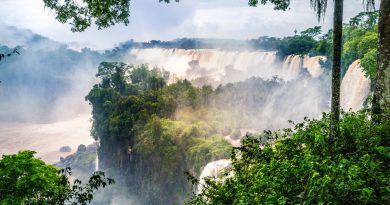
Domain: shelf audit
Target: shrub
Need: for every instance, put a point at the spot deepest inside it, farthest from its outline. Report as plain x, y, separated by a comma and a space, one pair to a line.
303, 167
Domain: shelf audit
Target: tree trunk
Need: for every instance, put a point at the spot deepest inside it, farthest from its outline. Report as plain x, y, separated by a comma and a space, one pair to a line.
336, 69
381, 100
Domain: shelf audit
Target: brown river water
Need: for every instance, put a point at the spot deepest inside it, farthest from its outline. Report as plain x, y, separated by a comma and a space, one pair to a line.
45, 139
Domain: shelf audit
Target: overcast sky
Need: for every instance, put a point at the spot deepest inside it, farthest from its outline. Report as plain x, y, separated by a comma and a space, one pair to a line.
189, 18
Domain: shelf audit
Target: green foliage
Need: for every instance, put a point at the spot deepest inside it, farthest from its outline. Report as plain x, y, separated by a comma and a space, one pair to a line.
279, 4
81, 15
312, 32
28, 180
134, 119
298, 44
368, 63
319, 7
302, 44
181, 147
207, 149
365, 20
303, 167
361, 41
103, 13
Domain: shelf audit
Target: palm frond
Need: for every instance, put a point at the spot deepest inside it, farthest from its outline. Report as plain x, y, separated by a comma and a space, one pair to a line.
320, 6
369, 5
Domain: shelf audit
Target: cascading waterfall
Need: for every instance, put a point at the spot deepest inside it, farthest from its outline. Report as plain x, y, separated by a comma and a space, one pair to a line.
212, 169
355, 87
293, 65
226, 66
97, 143
313, 65
97, 163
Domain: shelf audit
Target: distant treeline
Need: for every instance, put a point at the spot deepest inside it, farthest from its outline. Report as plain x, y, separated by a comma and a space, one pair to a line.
306, 42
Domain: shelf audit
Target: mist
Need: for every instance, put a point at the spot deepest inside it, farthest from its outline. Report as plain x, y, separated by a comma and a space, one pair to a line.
269, 91
43, 91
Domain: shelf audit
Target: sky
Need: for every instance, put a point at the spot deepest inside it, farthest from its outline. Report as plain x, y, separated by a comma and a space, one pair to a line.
150, 20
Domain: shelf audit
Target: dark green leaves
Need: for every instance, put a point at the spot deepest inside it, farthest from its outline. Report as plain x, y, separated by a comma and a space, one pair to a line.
102, 13
306, 169
279, 4
319, 7
81, 15
25, 179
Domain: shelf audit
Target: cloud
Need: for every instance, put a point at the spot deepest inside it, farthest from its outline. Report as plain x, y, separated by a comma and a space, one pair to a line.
189, 18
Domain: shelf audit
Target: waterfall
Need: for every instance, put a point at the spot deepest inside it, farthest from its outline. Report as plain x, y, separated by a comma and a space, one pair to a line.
226, 66
355, 88
313, 65
233, 142
293, 65
212, 169
97, 162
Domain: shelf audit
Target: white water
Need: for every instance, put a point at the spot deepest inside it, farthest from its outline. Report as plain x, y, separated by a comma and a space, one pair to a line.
233, 142
212, 169
293, 65
355, 88
97, 163
227, 66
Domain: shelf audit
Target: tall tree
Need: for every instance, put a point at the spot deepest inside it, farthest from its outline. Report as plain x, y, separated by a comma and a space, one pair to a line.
381, 100
320, 7
336, 67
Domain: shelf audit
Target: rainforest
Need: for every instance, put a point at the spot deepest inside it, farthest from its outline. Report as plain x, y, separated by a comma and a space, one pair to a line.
293, 118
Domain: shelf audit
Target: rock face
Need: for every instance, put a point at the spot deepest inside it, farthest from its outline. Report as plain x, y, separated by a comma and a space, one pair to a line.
355, 88
84, 160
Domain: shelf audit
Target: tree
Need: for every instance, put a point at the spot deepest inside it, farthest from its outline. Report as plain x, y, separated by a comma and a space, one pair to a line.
113, 75
381, 100
312, 32
81, 16
336, 66
300, 167
28, 180
320, 7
